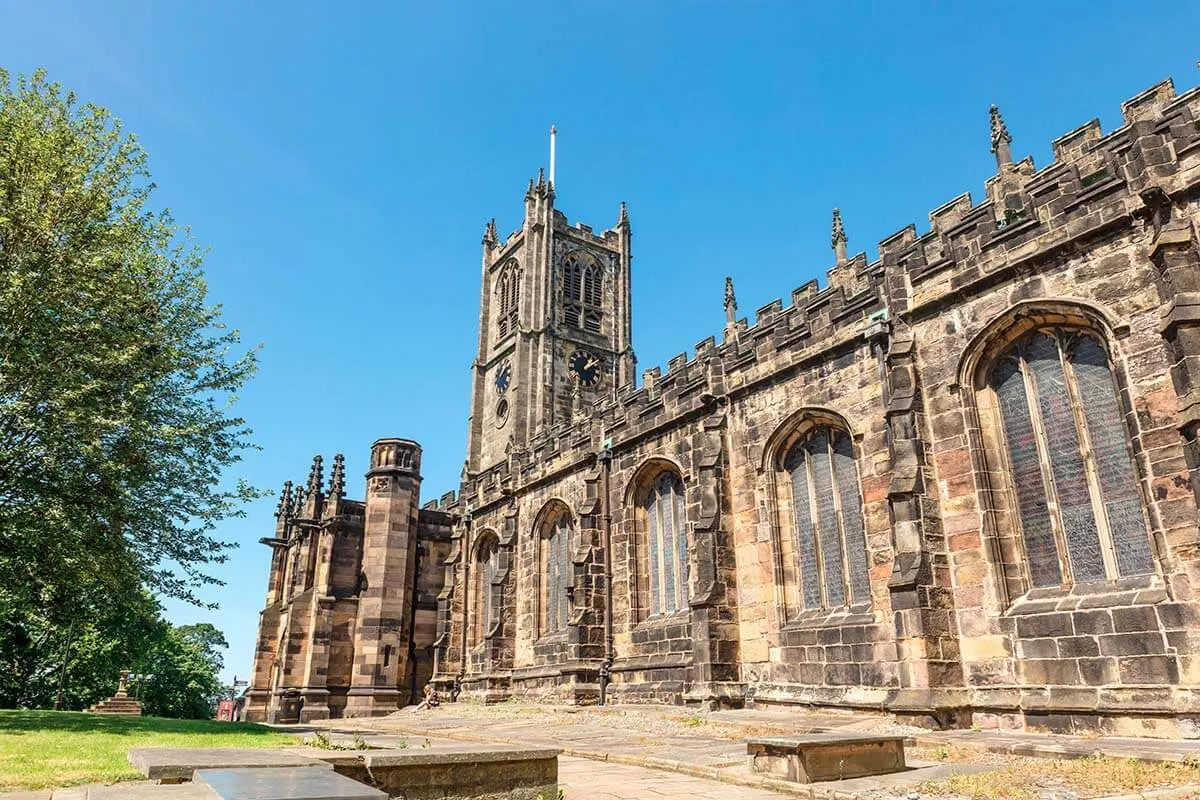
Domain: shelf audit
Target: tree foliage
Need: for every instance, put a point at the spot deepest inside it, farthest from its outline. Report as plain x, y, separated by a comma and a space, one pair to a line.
87, 655
116, 383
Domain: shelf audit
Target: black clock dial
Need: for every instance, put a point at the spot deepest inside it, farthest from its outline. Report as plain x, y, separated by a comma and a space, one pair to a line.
503, 376
586, 367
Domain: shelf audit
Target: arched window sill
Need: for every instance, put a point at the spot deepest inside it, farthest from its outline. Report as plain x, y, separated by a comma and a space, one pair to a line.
1133, 590
858, 614
680, 617
553, 637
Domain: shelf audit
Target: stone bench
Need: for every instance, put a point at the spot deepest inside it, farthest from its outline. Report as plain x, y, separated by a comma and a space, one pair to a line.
825, 756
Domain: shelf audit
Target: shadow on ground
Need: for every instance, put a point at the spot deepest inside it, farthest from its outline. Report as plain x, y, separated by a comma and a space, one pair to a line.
20, 722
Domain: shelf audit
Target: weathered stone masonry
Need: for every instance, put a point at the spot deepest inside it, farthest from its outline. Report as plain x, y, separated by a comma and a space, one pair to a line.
955, 483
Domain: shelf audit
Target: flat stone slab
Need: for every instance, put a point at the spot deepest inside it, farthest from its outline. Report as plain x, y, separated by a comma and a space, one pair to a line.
274, 783
179, 763
456, 754
820, 739
816, 757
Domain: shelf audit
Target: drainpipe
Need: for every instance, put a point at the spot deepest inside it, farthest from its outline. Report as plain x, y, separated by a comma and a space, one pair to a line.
606, 665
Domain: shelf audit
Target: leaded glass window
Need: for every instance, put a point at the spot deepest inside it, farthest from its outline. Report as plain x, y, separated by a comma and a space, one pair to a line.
486, 567
829, 543
1074, 489
666, 550
554, 559
582, 292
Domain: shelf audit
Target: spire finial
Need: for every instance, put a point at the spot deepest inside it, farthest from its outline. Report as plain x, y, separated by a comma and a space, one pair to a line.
285, 501
316, 476
337, 479
730, 301
1001, 138
623, 216
490, 236
297, 500
839, 237
541, 182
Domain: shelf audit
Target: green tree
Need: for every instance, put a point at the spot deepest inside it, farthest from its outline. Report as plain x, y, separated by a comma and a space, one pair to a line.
211, 642
185, 682
116, 383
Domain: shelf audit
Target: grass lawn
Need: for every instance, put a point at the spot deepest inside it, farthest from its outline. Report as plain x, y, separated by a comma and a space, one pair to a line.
44, 749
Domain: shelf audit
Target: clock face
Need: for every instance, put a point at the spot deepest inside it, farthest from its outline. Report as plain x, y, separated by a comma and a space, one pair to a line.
503, 377
586, 367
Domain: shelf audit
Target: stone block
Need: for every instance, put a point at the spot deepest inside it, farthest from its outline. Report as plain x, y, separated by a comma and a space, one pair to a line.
825, 756
1148, 669
459, 771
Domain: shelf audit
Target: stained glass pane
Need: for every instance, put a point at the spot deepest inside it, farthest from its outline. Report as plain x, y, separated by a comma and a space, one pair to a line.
1106, 432
1066, 459
546, 557
806, 540
564, 571
846, 475
1025, 463
653, 538
667, 531
830, 535
681, 538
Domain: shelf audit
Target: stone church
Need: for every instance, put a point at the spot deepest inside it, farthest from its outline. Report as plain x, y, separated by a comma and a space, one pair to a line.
955, 483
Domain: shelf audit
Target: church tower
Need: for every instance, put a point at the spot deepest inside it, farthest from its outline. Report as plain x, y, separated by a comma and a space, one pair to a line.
554, 326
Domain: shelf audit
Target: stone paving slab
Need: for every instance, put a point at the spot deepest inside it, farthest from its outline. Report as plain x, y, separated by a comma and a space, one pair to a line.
586, 779
273, 783
148, 790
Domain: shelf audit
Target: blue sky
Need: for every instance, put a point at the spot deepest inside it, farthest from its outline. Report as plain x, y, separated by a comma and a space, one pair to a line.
341, 161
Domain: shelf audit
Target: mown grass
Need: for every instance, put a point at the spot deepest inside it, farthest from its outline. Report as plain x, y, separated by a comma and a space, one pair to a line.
1020, 778
44, 749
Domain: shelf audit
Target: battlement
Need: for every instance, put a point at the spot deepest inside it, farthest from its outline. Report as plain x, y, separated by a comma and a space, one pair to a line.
1096, 183
581, 230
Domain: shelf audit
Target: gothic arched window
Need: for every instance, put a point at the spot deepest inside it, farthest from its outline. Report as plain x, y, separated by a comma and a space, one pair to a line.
827, 540
582, 292
554, 572
662, 558
485, 568
507, 295
1074, 494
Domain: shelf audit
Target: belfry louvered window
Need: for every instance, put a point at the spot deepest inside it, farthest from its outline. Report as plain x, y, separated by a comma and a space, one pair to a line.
507, 294
1071, 472
666, 563
486, 566
582, 292
554, 561
829, 544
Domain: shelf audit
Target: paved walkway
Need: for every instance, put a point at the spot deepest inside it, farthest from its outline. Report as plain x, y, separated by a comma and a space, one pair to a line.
586, 779
683, 753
